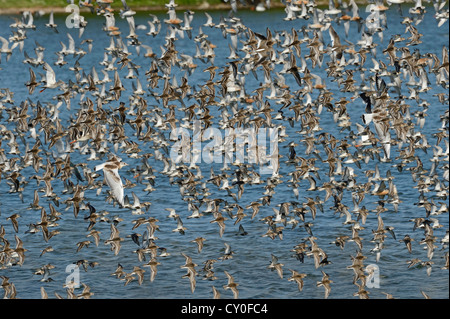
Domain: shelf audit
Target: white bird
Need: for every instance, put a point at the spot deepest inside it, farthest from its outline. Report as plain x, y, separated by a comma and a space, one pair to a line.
112, 177
50, 78
188, 16
180, 228
332, 10
260, 7
172, 213
29, 24
171, 4
132, 27
233, 4
51, 23
70, 49
209, 22
126, 11
5, 47
153, 28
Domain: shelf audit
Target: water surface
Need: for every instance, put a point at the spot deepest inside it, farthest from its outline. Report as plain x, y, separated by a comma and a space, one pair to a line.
252, 256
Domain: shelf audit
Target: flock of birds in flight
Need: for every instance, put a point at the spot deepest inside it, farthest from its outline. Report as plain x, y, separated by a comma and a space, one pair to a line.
96, 129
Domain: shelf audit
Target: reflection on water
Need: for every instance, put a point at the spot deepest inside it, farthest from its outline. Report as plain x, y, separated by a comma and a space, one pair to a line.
252, 252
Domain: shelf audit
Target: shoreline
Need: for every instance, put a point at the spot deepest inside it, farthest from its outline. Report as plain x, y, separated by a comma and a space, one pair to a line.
157, 8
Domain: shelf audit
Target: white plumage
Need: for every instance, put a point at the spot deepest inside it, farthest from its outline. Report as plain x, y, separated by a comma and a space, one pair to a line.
112, 177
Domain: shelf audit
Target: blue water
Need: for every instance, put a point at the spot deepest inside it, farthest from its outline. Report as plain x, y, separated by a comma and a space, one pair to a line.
252, 253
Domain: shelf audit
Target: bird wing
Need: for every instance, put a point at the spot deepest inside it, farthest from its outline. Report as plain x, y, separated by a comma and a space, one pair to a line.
5, 43
125, 6
137, 201
71, 42
51, 20
179, 222
208, 18
115, 183
99, 167
336, 41
50, 74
